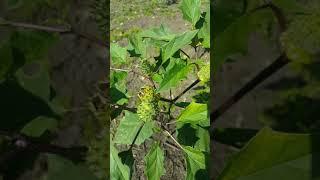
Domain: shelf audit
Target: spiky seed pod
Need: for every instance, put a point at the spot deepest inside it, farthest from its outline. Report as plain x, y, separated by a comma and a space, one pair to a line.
148, 107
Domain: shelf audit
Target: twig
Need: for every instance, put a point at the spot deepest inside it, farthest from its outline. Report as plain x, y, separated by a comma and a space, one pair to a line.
263, 75
175, 141
116, 69
172, 146
277, 13
56, 30
185, 53
22, 143
116, 106
186, 90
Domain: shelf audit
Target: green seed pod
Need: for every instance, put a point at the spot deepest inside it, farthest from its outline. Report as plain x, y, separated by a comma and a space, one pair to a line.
147, 110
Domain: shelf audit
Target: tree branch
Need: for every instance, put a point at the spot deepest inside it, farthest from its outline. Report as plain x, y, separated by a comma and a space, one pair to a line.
56, 30
263, 75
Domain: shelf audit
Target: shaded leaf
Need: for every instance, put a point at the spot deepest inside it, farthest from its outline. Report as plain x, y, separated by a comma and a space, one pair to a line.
154, 163
130, 126
194, 114
118, 171
37, 81
38, 126
63, 169
196, 161
273, 154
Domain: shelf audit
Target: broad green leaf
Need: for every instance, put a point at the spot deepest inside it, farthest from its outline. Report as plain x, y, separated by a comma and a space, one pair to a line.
118, 54
154, 163
38, 126
33, 44
162, 33
191, 10
137, 46
63, 169
203, 143
237, 137
225, 13
118, 96
37, 81
173, 76
204, 32
118, 88
301, 41
195, 113
177, 43
118, 171
129, 127
196, 161
234, 39
271, 154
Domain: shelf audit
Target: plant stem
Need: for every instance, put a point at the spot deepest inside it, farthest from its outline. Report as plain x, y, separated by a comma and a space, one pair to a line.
185, 53
186, 90
175, 141
263, 75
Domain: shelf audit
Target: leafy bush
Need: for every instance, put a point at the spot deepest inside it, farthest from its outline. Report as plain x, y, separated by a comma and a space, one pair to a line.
158, 56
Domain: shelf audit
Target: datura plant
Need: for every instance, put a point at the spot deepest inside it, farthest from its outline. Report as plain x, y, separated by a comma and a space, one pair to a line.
154, 97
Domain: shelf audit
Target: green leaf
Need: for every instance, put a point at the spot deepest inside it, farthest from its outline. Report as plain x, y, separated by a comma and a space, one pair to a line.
177, 43
38, 126
234, 39
118, 88
154, 163
137, 46
272, 154
301, 41
118, 54
162, 33
195, 161
129, 127
36, 81
33, 44
191, 10
204, 32
225, 13
173, 76
63, 169
203, 143
194, 114
118, 171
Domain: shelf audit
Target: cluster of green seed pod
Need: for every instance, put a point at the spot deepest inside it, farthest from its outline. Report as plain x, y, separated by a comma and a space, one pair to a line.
148, 107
